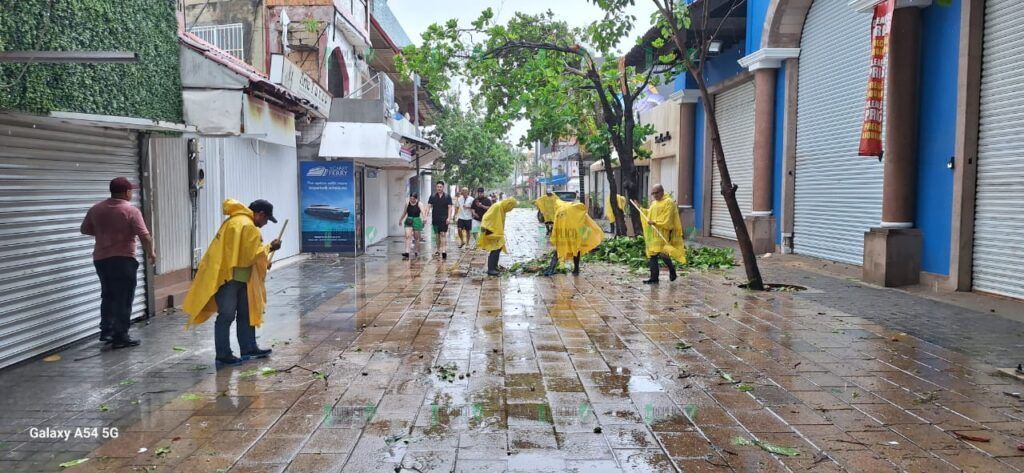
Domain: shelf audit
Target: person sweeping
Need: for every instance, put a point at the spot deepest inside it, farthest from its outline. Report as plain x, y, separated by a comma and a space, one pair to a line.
574, 234
663, 234
492, 232
230, 280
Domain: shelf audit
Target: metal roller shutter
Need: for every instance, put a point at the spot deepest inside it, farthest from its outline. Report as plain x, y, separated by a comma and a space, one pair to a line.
838, 195
50, 174
999, 223
735, 110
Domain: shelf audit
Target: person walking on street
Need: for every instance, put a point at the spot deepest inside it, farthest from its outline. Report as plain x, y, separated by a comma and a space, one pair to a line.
662, 229
441, 213
492, 232
230, 280
413, 222
480, 205
465, 213
115, 223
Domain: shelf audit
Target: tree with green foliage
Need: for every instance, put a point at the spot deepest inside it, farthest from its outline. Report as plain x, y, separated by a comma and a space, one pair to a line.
534, 68
474, 155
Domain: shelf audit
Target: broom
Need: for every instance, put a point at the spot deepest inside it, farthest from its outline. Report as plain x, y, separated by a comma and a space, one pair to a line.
270, 257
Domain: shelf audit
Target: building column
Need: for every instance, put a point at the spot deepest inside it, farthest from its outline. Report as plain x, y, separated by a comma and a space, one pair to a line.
684, 160
892, 251
765, 65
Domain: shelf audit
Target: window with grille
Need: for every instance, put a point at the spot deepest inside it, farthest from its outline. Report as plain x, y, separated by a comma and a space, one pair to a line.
226, 37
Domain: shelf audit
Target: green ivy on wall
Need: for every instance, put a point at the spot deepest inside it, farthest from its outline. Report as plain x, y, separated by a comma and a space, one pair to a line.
150, 88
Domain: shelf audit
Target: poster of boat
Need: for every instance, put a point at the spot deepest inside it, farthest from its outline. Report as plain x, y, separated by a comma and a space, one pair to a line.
327, 200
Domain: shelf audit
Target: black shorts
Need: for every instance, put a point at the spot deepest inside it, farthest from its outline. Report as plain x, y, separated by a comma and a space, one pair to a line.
440, 226
466, 225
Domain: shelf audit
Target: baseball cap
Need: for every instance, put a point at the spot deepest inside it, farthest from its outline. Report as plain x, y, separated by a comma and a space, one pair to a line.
120, 185
265, 207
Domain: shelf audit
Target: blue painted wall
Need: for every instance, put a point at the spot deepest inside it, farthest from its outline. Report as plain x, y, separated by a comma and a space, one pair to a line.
779, 157
757, 10
939, 63
724, 66
698, 165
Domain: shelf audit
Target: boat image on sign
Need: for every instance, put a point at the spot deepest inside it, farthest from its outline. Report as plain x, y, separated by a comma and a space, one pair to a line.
328, 212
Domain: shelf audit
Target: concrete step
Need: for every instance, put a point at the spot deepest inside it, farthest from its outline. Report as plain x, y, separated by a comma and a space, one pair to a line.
172, 295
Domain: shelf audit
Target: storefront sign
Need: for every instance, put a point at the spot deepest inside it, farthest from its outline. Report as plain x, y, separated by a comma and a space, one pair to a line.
328, 202
291, 77
874, 111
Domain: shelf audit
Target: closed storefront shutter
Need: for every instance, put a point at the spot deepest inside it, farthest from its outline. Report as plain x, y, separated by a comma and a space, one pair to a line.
838, 194
50, 174
735, 111
999, 221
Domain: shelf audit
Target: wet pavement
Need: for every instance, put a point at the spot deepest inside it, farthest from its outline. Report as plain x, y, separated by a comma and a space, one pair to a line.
381, 364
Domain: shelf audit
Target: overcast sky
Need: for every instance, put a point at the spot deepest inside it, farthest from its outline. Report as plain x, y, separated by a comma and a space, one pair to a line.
416, 15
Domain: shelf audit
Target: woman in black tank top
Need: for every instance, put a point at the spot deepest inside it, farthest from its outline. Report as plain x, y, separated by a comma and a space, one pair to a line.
412, 221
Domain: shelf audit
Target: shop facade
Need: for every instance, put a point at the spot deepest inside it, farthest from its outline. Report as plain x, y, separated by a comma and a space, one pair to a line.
939, 207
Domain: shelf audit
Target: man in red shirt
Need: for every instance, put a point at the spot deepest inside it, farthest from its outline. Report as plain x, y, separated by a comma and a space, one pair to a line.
115, 223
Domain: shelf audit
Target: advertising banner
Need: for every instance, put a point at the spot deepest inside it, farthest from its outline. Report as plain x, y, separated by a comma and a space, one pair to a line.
874, 112
327, 200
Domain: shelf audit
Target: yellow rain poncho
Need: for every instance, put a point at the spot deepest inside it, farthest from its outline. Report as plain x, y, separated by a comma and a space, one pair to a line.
238, 243
492, 226
665, 216
608, 212
574, 231
548, 205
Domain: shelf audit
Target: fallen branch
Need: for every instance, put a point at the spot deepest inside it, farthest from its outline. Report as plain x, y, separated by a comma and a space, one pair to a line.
972, 438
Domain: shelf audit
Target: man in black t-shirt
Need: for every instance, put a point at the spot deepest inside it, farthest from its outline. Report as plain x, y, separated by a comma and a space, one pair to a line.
440, 208
480, 205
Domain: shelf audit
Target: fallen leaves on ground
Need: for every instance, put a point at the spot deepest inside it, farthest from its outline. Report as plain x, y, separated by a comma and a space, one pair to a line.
768, 447
52, 358
69, 464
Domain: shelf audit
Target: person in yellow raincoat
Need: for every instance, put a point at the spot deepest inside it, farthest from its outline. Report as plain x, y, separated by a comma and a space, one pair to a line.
661, 222
231, 278
574, 234
546, 207
492, 232
609, 213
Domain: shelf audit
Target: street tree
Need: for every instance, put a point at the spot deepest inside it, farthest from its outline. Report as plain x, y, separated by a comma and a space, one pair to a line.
536, 68
692, 38
474, 155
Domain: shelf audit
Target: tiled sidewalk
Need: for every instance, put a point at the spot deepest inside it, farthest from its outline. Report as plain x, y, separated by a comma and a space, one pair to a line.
434, 367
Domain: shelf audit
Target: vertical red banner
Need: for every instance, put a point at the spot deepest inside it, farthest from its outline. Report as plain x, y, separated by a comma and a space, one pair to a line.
874, 111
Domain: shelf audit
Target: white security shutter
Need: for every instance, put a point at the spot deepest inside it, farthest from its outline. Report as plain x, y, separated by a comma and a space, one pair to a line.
245, 169
735, 111
670, 177
838, 194
50, 175
999, 221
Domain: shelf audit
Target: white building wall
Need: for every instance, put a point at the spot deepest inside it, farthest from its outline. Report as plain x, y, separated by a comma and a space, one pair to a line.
376, 192
398, 196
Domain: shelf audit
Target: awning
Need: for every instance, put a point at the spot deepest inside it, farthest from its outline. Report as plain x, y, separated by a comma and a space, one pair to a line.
558, 180
373, 144
426, 150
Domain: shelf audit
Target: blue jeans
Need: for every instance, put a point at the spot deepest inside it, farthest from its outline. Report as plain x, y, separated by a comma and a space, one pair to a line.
233, 298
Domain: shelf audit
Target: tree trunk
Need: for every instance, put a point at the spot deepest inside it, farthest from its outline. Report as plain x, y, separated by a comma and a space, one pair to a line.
613, 197
728, 190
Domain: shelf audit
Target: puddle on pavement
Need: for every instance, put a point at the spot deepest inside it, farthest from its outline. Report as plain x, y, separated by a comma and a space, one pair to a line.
644, 384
